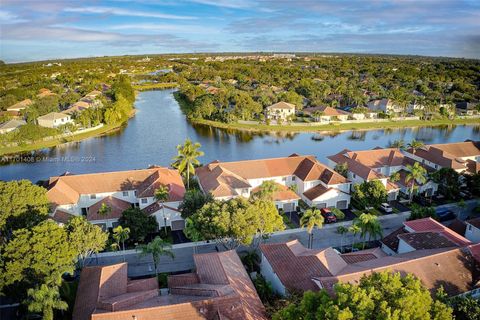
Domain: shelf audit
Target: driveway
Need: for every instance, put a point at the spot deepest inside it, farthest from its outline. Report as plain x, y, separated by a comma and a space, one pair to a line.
349, 215
179, 237
397, 205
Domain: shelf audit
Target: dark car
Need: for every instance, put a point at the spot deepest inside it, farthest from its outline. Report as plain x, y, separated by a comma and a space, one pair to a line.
328, 215
445, 215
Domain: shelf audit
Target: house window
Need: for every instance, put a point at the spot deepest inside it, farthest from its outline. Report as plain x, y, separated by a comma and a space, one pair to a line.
125, 193
293, 178
354, 175
135, 193
144, 200
469, 227
245, 191
84, 211
93, 196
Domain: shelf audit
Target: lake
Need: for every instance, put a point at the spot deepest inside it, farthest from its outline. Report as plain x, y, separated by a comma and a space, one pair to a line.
159, 126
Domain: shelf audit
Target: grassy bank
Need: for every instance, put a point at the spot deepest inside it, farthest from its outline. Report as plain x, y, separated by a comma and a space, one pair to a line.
52, 143
154, 86
336, 126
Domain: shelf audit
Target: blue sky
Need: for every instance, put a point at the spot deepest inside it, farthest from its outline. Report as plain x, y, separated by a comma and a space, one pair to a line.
48, 29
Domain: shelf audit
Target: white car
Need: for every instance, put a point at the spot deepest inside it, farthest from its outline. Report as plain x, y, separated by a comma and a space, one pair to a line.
386, 207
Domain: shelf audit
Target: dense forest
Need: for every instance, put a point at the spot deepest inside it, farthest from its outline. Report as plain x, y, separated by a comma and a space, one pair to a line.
228, 89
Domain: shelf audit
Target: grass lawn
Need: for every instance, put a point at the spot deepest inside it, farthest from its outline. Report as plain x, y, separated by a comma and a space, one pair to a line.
336, 126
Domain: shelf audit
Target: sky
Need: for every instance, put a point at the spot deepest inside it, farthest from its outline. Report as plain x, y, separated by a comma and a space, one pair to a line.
49, 29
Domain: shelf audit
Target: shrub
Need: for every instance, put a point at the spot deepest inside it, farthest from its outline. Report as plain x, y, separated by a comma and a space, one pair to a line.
338, 213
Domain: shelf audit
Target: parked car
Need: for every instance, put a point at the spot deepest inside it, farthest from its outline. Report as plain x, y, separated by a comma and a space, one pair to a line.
386, 207
328, 215
445, 215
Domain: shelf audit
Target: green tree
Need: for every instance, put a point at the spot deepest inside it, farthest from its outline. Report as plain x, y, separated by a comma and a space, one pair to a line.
45, 299
193, 200
266, 190
368, 224
121, 234
448, 181
40, 255
342, 230
266, 218
354, 229
399, 144
419, 212
104, 212
157, 248
293, 98
370, 193
415, 145
22, 205
139, 224
186, 159
161, 195
85, 238
473, 183
342, 168
416, 173
466, 308
312, 218
383, 295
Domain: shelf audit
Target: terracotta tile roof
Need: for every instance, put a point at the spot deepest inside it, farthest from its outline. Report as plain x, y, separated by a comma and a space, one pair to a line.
473, 166
317, 191
356, 165
221, 178
281, 105
283, 193
67, 189
363, 255
20, 105
460, 149
296, 266
117, 207
474, 222
458, 226
154, 207
426, 240
61, 216
429, 224
392, 240
220, 289
475, 251
327, 111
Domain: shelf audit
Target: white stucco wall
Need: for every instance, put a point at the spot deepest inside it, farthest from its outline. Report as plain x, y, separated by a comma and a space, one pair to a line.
403, 247
472, 233
267, 272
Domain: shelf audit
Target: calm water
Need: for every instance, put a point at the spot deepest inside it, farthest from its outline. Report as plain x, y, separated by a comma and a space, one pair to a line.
159, 126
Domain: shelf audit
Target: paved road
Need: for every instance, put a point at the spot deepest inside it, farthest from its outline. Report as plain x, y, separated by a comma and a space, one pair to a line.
327, 236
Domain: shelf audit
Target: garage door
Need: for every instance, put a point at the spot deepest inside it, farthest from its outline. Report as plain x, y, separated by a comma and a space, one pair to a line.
321, 205
289, 207
342, 204
178, 225
429, 192
392, 196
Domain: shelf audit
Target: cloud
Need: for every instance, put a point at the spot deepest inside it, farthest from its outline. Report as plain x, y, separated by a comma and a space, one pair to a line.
125, 12
192, 29
7, 17
232, 4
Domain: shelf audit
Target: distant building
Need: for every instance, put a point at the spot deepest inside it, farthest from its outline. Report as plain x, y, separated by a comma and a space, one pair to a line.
44, 92
54, 120
326, 114
384, 105
280, 111
466, 108
11, 125
219, 288
20, 105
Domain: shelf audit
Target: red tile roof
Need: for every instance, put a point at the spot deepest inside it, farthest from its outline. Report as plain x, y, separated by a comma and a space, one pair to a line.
67, 189
327, 111
392, 239
117, 206
474, 222
283, 193
429, 224
426, 240
61, 216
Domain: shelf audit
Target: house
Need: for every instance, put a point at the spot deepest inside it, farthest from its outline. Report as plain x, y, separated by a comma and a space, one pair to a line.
327, 114
290, 267
11, 125
384, 105
466, 108
54, 120
459, 156
44, 92
20, 105
422, 234
472, 230
218, 289
77, 107
280, 111
84, 195
298, 176
380, 164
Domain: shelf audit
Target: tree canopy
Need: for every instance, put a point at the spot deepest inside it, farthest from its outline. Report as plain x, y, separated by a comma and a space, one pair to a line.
382, 295
370, 193
139, 224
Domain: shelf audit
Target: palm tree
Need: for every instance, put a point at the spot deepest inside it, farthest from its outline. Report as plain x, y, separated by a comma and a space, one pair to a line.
416, 173
311, 218
342, 230
368, 224
186, 159
45, 299
399, 144
104, 212
158, 247
354, 230
161, 195
415, 144
121, 234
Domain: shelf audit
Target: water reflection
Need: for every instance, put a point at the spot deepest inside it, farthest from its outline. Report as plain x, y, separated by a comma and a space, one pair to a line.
159, 126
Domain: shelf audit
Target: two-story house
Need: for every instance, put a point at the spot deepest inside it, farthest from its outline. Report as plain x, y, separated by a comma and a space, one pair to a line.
297, 177
280, 111
380, 164
459, 156
85, 194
